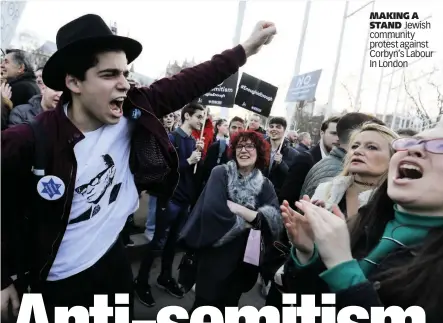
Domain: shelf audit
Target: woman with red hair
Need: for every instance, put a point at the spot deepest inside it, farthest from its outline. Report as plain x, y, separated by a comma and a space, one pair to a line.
237, 213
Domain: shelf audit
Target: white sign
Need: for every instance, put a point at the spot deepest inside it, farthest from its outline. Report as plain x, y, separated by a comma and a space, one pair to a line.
11, 12
303, 87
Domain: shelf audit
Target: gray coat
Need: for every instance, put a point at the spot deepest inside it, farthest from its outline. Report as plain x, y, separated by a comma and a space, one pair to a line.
26, 112
325, 170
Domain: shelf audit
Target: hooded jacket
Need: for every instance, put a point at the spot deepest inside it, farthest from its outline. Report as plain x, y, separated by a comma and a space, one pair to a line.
26, 112
325, 170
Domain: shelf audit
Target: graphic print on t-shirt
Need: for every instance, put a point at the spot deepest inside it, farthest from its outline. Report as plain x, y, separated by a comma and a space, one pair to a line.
94, 189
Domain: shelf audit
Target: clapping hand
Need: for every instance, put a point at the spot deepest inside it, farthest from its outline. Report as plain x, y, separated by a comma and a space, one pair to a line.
5, 90
331, 234
299, 232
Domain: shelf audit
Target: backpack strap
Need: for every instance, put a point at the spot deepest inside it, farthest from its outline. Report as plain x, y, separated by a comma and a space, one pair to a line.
221, 150
40, 160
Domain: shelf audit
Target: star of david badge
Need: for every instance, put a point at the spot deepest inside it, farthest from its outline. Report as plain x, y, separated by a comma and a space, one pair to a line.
51, 188
136, 113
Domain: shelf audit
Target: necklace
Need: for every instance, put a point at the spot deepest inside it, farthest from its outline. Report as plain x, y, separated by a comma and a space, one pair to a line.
363, 183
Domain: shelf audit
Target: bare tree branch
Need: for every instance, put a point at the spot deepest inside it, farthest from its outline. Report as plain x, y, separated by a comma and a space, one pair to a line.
421, 104
439, 96
421, 112
349, 96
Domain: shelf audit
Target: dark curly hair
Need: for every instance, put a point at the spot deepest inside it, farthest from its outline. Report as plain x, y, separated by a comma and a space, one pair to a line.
261, 145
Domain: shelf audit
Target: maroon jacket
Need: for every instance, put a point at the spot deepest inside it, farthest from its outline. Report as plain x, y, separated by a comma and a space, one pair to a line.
153, 161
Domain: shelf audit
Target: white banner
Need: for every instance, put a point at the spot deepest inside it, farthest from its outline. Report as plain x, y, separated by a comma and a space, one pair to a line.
11, 12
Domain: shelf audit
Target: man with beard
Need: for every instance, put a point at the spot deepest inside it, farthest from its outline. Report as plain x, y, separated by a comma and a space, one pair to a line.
51, 160
19, 74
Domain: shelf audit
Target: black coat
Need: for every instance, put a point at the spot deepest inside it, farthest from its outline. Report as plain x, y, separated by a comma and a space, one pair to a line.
278, 172
218, 236
301, 148
301, 166
294, 166
23, 88
211, 160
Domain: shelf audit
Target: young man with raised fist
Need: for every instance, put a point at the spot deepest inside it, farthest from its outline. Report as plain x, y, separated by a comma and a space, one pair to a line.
90, 157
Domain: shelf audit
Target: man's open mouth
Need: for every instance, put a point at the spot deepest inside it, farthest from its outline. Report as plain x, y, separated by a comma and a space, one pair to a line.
409, 171
116, 106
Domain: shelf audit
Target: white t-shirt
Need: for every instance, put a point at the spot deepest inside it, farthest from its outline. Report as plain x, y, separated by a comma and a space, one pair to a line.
104, 196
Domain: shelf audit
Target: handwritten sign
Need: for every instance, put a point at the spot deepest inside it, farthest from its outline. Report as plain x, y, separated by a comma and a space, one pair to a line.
11, 12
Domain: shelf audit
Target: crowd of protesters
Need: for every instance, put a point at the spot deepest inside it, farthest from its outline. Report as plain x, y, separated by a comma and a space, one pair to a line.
358, 214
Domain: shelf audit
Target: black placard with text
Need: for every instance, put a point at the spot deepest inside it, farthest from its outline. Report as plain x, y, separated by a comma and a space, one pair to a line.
222, 95
255, 95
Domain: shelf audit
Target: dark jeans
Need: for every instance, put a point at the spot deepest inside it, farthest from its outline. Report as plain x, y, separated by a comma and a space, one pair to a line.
173, 218
111, 275
126, 232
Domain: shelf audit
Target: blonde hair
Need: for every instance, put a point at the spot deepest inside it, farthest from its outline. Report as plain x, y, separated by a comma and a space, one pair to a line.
384, 131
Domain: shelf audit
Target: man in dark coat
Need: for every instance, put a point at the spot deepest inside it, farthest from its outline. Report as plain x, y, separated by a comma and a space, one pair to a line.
254, 124
281, 159
304, 142
102, 145
19, 74
306, 160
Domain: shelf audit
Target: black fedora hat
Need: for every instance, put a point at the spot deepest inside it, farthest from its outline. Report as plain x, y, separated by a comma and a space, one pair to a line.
80, 36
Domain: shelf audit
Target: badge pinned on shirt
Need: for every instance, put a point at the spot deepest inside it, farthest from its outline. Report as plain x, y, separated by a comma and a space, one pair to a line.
135, 114
51, 188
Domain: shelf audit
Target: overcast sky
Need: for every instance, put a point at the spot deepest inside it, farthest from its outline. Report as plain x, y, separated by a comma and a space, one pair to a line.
172, 30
